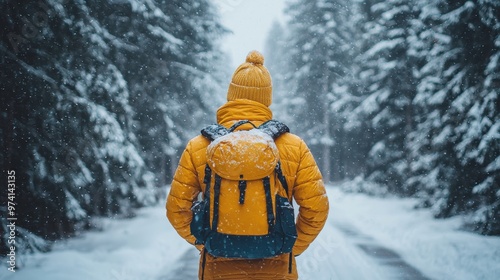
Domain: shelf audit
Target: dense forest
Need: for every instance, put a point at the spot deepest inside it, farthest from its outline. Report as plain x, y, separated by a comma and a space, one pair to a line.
99, 98
402, 94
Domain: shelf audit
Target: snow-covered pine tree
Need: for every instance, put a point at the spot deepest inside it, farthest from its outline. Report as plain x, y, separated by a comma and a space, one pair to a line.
276, 53
321, 36
387, 86
483, 146
423, 97
456, 140
357, 128
70, 121
172, 69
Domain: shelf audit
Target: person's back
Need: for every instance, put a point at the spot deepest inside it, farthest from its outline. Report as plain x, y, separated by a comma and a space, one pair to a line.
249, 95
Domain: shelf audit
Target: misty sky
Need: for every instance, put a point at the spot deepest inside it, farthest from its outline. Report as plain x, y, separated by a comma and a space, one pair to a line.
250, 21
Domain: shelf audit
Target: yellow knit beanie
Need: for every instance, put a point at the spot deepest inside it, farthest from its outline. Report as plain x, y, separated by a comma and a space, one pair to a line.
251, 80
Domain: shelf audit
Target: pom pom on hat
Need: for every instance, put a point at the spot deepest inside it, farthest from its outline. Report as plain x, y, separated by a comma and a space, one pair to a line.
251, 80
255, 57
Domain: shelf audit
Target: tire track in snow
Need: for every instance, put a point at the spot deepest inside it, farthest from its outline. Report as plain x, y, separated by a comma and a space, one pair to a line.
333, 255
396, 267
339, 252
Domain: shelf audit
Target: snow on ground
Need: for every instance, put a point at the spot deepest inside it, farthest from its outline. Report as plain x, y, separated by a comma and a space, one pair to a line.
365, 238
140, 248
437, 248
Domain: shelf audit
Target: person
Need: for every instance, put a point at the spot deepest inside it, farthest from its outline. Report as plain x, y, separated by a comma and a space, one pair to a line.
248, 98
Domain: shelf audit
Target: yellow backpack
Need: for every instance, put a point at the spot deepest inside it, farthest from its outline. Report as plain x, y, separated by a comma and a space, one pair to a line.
245, 211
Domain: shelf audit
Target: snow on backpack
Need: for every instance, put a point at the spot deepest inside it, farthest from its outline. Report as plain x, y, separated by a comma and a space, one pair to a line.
242, 214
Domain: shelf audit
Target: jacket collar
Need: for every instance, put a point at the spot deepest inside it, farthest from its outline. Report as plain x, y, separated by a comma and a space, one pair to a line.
243, 109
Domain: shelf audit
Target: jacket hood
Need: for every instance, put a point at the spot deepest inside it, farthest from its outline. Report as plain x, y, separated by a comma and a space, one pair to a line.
243, 109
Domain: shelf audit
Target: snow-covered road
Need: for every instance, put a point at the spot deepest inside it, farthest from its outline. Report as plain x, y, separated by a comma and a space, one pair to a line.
343, 253
365, 238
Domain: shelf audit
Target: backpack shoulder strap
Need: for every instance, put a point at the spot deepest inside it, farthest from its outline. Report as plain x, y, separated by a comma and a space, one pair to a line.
274, 128
282, 178
214, 131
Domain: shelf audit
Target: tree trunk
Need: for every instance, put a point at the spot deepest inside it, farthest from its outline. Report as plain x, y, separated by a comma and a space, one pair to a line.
327, 138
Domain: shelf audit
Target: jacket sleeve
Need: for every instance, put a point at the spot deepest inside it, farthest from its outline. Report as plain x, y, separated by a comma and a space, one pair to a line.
184, 189
310, 194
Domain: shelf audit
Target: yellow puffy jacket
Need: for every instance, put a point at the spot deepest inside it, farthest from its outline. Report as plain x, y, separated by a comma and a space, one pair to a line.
303, 177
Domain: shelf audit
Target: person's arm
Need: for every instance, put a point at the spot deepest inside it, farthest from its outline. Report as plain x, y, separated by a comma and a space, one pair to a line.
310, 194
184, 189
